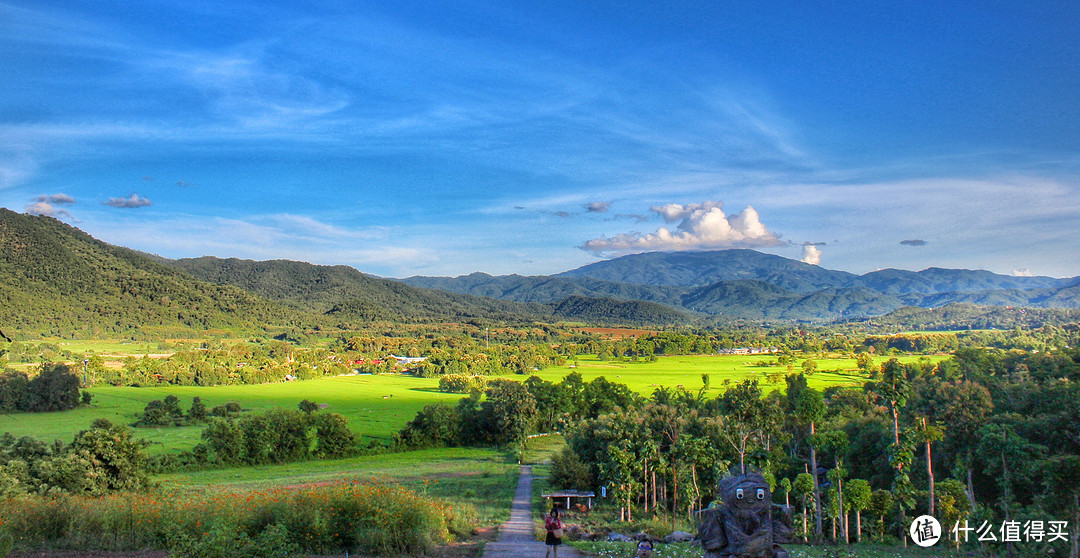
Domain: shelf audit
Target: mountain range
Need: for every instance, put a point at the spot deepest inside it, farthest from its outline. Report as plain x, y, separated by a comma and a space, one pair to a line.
747, 284
58, 281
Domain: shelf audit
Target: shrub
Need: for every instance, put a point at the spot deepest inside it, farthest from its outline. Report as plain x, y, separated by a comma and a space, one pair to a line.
327, 519
569, 472
434, 425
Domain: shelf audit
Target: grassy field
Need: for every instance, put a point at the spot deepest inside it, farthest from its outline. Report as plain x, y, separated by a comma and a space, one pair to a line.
484, 478
378, 406
644, 376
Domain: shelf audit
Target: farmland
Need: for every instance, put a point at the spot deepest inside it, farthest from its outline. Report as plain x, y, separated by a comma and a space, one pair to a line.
377, 406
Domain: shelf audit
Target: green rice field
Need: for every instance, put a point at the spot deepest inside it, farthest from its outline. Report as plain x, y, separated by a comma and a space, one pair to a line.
377, 406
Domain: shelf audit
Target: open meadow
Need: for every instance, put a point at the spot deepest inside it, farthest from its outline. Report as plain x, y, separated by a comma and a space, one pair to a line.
377, 406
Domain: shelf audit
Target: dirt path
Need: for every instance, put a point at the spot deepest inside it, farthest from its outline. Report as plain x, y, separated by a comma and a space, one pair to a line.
517, 538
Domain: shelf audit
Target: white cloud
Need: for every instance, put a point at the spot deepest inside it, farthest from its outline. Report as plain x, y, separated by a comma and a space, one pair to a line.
811, 254
701, 226
47, 209
1025, 272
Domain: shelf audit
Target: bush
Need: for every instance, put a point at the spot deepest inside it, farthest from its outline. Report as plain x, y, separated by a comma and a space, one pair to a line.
462, 383
569, 472
435, 425
327, 519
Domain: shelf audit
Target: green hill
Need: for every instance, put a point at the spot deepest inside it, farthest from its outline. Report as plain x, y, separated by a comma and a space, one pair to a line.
344, 292
56, 280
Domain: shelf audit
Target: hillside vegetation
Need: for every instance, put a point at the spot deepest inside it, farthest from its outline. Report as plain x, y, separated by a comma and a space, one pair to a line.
57, 281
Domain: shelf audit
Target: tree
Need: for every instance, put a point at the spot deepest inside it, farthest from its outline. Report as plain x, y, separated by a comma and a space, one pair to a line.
55, 388
809, 409
881, 503
307, 407
197, 413
744, 418
569, 472
894, 387
927, 434
512, 410
333, 439
111, 460
1063, 493
836, 442
865, 362
804, 486
435, 425
858, 497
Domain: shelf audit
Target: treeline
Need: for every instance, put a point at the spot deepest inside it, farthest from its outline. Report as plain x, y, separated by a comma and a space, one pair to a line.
506, 411
232, 437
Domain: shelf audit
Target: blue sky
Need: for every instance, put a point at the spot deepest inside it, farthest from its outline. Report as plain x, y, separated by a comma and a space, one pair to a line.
427, 138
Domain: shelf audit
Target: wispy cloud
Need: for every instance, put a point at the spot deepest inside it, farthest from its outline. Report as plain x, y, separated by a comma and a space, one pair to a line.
57, 199
131, 202
597, 207
913, 242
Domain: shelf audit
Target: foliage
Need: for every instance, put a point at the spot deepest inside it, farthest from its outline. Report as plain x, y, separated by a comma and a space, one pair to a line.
345, 515
569, 472
101, 459
54, 388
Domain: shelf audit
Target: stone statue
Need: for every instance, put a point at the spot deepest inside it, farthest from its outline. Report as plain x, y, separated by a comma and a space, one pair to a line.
745, 523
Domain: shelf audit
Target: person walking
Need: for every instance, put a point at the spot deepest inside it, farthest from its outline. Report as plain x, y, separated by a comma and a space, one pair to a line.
554, 528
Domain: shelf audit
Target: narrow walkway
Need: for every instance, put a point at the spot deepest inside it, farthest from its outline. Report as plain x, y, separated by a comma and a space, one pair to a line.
517, 538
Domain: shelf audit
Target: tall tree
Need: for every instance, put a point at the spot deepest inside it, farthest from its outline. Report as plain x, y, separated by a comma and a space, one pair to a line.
858, 498
810, 409
928, 434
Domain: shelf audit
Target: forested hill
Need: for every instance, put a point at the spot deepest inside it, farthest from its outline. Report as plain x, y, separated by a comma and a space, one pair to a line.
56, 280
345, 292
747, 284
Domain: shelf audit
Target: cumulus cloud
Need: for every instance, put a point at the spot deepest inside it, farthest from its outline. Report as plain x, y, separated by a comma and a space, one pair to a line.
811, 254
913, 242
1025, 272
57, 199
130, 202
47, 209
701, 226
597, 207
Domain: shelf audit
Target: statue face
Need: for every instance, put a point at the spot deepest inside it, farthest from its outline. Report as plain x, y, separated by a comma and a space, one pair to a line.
746, 491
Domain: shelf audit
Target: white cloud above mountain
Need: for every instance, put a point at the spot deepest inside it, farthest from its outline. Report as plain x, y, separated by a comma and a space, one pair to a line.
700, 226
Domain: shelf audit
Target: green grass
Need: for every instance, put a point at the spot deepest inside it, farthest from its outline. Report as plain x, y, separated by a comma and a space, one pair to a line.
378, 406
484, 478
541, 449
681, 550
643, 376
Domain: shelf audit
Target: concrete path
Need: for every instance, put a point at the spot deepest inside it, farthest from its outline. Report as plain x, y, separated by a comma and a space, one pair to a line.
517, 538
